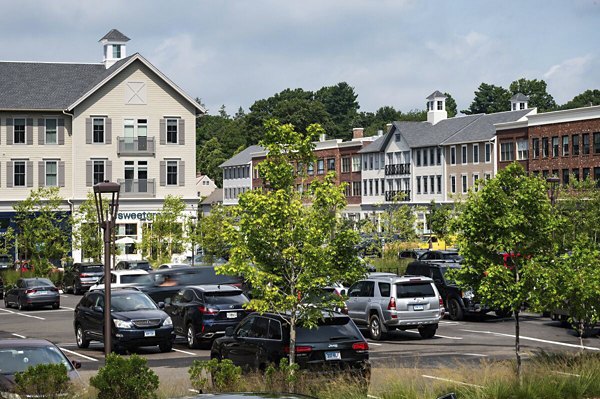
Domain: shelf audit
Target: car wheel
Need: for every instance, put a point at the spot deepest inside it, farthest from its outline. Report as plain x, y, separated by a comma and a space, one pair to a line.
454, 309
20, 305
191, 337
55, 305
375, 328
428, 331
80, 338
76, 289
166, 346
6, 304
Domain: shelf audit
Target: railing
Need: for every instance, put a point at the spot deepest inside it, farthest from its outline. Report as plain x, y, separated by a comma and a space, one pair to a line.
136, 146
399, 195
137, 187
397, 169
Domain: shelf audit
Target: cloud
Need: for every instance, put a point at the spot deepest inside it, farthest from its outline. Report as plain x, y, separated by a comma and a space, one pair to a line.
573, 76
460, 48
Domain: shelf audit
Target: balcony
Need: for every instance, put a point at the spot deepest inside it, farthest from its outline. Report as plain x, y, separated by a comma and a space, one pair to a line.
399, 195
144, 146
397, 169
145, 188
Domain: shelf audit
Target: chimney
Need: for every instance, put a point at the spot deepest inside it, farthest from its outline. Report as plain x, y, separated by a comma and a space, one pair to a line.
322, 137
388, 127
357, 133
379, 133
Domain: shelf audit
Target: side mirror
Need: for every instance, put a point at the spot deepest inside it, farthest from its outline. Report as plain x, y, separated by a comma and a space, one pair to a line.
98, 309
161, 305
229, 331
76, 364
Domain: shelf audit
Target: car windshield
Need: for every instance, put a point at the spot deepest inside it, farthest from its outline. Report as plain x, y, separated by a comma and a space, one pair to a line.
16, 360
40, 282
453, 256
414, 290
329, 329
92, 269
5, 259
140, 265
141, 279
131, 301
225, 298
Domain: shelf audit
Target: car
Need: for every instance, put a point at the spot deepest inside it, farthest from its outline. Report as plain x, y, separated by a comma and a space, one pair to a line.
125, 278
31, 292
136, 321
133, 264
79, 277
16, 355
451, 256
203, 312
6, 262
384, 303
206, 260
411, 253
172, 265
335, 344
1, 287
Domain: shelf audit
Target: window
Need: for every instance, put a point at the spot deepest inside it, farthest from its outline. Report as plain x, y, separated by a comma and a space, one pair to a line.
331, 164
418, 184
356, 188
346, 165
376, 161
366, 163
370, 186
320, 166
51, 173
565, 176
19, 174
432, 156
364, 187
172, 173
19, 131
507, 152
565, 146
310, 169
586, 173
116, 50
431, 184
464, 184
475, 178
51, 128
376, 186
464, 154
439, 156
397, 137
535, 144
98, 130
98, 171
172, 131
545, 148
439, 184
488, 152
575, 147
425, 185
425, 163
522, 149
555, 146
575, 173
597, 143
487, 176
585, 138
418, 157
370, 161
475, 153
440, 105
453, 184
356, 163
452, 155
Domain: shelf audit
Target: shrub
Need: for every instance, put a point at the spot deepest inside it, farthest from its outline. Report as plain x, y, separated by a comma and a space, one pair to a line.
44, 381
282, 378
224, 374
125, 378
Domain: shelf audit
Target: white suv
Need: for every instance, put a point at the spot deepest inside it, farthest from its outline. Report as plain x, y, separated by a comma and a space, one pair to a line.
125, 278
385, 303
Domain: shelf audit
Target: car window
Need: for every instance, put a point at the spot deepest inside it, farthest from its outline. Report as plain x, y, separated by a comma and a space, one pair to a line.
39, 282
436, 274
188, 296
16, 360
355, 290
274, 329
328, 329
384, 289
99, 301
91, 268
131, 301
260, 328
20, 284
414, 290
368, 289
85, 301
141, 265
243, 329
425, 256
225, 298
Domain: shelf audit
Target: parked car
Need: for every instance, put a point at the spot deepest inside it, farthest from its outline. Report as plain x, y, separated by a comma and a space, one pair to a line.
16, 355
30, 292
6, 262
125, 278
1, 287
173, 265
384, 303
136, 321
451, 256
79, 277
202, 312
262, 339
133, 264
411, 253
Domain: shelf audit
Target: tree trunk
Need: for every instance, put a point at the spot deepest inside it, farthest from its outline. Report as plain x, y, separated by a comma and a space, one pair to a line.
292, 351
518, 346
581, 332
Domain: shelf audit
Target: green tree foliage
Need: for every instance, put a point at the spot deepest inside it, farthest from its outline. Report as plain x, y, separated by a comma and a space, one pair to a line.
49, 381
536, 90
451, 107
398, 222
209, 157
342, 107
211, 231
287, 245
125, 378
43, 229
165, 236
495, 220
438, 219
224, 375
489, 99
87, 235
585, 99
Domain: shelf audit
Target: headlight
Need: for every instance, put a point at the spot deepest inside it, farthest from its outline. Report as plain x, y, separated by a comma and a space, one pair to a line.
122, 323
168, 322
468, 294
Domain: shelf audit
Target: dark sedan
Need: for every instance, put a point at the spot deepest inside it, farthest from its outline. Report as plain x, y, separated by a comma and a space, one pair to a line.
30, 292
259, 340
203, 312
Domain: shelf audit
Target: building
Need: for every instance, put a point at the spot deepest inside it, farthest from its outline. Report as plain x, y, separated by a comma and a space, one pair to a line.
72, 125
204, 185
237, 174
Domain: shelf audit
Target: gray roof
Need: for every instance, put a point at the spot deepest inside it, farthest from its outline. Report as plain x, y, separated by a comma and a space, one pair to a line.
483, 128
519, 97
115, 36
435, 94
242, 158
214, 198
376, 146
48, 86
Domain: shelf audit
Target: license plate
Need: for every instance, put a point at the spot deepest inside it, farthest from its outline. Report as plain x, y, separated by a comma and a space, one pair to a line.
231, 315
149, 333
418, 307
333, 355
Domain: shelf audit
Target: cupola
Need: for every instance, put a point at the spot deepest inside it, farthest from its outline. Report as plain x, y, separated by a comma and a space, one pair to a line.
436, 107
114, 43
518, 101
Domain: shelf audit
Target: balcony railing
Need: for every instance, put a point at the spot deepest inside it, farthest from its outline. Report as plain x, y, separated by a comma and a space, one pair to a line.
397, 169
136, 146
137, 188
399, 195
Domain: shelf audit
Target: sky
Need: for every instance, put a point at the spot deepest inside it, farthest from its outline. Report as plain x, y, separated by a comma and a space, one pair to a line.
392, 52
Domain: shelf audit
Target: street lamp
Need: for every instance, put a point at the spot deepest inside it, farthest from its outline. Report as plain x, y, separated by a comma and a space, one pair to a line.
193, 227
106, 220
553, 182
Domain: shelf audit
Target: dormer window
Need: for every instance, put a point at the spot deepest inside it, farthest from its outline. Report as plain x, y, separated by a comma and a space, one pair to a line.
440, 105
116, 48
522, 105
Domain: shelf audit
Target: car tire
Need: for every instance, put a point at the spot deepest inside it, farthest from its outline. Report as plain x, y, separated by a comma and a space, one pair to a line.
166, 347
80, 339
6, 304
191, 337
428, 331
375, 328
455, 310
55, 305
76, 289
20, 305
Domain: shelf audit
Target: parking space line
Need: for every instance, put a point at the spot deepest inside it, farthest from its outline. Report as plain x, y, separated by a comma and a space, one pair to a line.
448, 380
447, 337
535, 340
22, 314
78, 354
19, 335
475, 354
569, 374
374, 343
187, 353
449, 323
62, 309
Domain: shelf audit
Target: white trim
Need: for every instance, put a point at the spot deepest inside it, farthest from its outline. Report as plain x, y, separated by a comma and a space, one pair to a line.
476, 145
452, 186
464, 179
464, 154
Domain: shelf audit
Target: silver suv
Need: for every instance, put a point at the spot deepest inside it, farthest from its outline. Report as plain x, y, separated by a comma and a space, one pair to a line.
385, 302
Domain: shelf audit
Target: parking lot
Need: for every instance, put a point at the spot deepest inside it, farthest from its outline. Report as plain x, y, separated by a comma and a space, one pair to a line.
465, 341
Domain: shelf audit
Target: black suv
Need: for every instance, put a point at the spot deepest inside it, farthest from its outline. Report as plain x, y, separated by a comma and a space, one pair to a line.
133, 264
202, 312
262, 339
80, 277
136, 321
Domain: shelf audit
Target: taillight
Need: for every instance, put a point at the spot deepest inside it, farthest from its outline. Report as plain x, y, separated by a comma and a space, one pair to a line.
441, 301
392, 304
30, 291
83, 275
299, 349
345, 309
206, 310
360, 346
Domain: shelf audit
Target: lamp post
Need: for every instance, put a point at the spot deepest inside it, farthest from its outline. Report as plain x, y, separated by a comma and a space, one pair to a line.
106, 220
193, 228
553, 182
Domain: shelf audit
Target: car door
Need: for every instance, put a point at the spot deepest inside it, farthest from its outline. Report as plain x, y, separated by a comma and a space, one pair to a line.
174, 308
12, 294
353, 301
438, 280
96, 316
237, 349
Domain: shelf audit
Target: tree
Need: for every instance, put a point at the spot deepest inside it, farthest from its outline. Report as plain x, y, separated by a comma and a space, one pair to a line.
510, 214
86, 233
451, 107
208, 159
43, 229
398, 221
489, 99
438, 219
288, 245
536, 90
211, 231
341, 105
164, 237
585, 99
